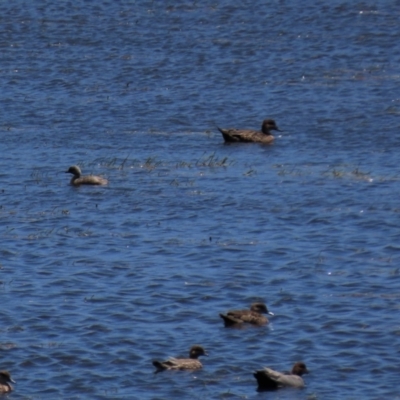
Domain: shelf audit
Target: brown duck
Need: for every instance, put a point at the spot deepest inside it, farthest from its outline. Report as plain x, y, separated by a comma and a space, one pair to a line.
78, 179
5, 382
253, 316
247, 135
268, 379
191, 363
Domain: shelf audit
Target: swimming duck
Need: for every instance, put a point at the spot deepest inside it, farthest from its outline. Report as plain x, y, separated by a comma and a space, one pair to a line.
5, 380
268, 379
252, 316
190, 363
247, 135
78, 179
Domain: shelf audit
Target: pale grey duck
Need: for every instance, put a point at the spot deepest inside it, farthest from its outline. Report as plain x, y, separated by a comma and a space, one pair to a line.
268, 379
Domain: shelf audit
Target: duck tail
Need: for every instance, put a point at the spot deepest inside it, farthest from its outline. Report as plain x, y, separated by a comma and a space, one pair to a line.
225, 134
229, 321
159, 365
264, 381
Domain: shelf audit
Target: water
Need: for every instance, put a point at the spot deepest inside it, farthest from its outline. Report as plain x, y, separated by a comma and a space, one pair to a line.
96, 282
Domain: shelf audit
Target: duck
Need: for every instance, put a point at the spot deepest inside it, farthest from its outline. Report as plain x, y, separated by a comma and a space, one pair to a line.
253, 316
248, 135
268, 379
191, 363
5, 382
78, 179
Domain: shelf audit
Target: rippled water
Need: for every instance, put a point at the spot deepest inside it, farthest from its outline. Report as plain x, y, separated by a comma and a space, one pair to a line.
96, 282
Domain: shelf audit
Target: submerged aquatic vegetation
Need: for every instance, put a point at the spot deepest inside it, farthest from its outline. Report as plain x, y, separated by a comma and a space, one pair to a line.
344, 172
152, 163
213, 161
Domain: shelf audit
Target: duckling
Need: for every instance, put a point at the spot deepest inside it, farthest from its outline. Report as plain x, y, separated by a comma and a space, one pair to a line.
248, 135
78, 179
5, 380
252, 316
268, 379
191, 363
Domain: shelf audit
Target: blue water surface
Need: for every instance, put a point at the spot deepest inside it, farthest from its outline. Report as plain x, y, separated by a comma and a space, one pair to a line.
96, 282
